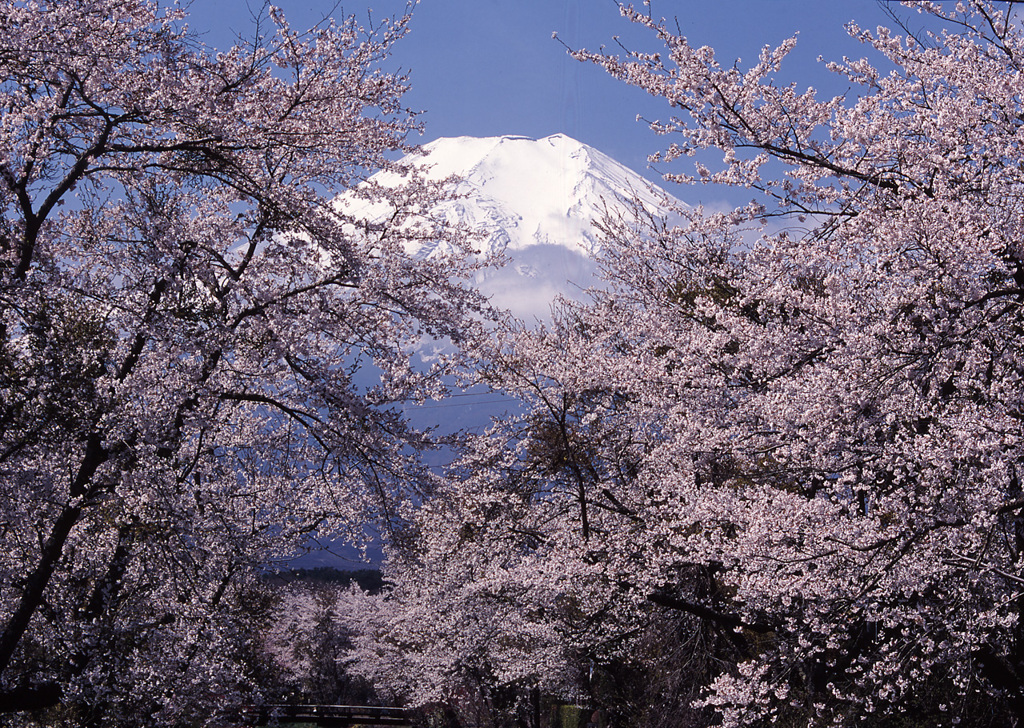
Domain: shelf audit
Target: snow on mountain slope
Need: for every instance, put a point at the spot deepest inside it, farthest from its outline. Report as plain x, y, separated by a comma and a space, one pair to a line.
526, 192
534, 200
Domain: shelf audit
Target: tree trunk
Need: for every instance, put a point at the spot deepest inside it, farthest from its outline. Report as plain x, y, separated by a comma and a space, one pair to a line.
32, 596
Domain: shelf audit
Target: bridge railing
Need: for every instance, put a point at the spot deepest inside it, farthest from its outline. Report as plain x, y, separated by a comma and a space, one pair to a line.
325, 716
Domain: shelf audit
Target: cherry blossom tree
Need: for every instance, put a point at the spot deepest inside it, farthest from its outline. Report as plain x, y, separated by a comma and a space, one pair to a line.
797, 424
307, 643
200, 356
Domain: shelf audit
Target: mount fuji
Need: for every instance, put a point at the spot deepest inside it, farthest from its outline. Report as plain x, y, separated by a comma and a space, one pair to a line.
535, 201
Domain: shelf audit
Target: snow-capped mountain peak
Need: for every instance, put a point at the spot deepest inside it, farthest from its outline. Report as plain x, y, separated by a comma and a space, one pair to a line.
522, 192
533, 200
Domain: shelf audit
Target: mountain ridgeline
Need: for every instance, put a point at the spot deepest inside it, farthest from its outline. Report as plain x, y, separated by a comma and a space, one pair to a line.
535, 201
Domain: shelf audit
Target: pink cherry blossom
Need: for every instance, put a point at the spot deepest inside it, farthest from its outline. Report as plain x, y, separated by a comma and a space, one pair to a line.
191, 340
796, 427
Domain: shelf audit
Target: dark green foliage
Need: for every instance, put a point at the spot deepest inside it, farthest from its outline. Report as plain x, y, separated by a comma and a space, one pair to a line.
369, 580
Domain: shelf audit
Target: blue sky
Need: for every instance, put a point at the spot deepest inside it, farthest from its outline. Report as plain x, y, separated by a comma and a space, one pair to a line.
490, 67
